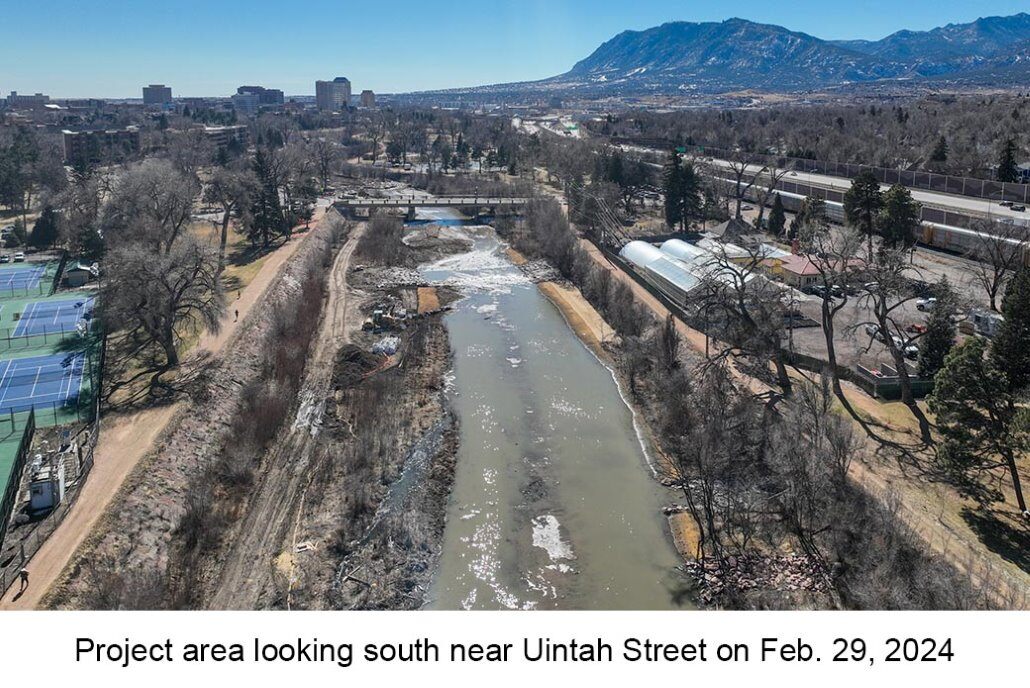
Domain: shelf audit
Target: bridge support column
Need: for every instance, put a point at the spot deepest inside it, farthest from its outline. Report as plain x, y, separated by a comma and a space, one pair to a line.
411, 213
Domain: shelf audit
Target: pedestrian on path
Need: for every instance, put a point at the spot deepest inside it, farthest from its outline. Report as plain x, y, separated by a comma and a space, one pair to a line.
237, 316
24, 576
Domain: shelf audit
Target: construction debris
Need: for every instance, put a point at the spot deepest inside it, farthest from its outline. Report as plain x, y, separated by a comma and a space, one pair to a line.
785, 573
386, 346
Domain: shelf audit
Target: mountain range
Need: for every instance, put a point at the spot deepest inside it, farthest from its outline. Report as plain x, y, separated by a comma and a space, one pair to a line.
714, 57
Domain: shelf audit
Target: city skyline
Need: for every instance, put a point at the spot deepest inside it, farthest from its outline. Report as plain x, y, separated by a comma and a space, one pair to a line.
140, 45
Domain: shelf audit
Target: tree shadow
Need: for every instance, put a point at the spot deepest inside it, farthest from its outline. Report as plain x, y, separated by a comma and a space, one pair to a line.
1009, 541
247, 253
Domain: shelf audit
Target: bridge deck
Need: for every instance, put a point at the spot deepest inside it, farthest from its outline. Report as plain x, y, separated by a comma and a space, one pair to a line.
431, 201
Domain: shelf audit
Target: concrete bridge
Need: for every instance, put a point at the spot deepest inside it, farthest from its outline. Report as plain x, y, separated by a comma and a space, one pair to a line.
411, 202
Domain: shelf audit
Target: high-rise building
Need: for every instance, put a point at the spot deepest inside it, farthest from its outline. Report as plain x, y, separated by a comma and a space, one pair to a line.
333, 95
19, 101
157, 94
266, 96
368, 99
246, 103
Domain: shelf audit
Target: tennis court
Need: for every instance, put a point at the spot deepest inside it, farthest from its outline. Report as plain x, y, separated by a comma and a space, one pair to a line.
40, 381
50, 317
21, 277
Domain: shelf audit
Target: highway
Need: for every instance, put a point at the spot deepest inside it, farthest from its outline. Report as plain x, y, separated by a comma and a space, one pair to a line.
961, 204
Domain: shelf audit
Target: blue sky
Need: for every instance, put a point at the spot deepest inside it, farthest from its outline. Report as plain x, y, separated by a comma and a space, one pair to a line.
110, 48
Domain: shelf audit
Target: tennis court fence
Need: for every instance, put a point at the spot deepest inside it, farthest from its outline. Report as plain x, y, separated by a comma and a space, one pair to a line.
10, 291
14, 555
11, 493
10, 339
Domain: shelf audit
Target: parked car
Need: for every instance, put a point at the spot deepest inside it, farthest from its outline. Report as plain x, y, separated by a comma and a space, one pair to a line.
911, 351
1006, 203
19, 257
5, 258
874, 332
1019, 208
926, 305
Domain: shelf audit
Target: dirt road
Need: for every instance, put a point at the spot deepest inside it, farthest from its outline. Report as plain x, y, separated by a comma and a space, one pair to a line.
250, 563
124, 440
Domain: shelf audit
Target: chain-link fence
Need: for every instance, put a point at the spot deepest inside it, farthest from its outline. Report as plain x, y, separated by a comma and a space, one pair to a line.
15, 552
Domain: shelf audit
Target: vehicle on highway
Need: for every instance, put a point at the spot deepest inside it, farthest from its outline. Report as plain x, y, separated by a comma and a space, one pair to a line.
1019, 208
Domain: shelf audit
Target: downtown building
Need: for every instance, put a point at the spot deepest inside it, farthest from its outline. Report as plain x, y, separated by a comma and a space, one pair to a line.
333, 96
157, 94
248, 100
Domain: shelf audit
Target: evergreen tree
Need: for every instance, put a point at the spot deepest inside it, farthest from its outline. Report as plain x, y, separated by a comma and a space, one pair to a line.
940, 151
899, 218
266, 212
44, 232
691, 196
1007, 170
810, 220
1011, 347
672, 183
940, 331
777, 218
981, 426
862, 204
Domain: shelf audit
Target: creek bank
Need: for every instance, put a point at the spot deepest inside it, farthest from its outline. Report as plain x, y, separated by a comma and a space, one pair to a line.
368, 538
551, 505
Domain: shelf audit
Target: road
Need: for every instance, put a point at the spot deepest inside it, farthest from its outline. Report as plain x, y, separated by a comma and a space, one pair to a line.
124, 440
962, 204
285, 476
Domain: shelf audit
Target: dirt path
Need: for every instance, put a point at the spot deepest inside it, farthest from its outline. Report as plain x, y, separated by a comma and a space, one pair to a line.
256, 550
125, 439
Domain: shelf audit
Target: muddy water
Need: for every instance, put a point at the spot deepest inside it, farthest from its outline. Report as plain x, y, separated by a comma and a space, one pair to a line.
554, 504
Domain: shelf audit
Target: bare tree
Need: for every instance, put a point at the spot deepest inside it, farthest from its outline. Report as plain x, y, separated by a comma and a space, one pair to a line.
744, 174
375, 130
231, 188
773, 177
156, 300
834, 255
189, 150
325, 155
886, 295
152, 203
746, 310
998, 251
